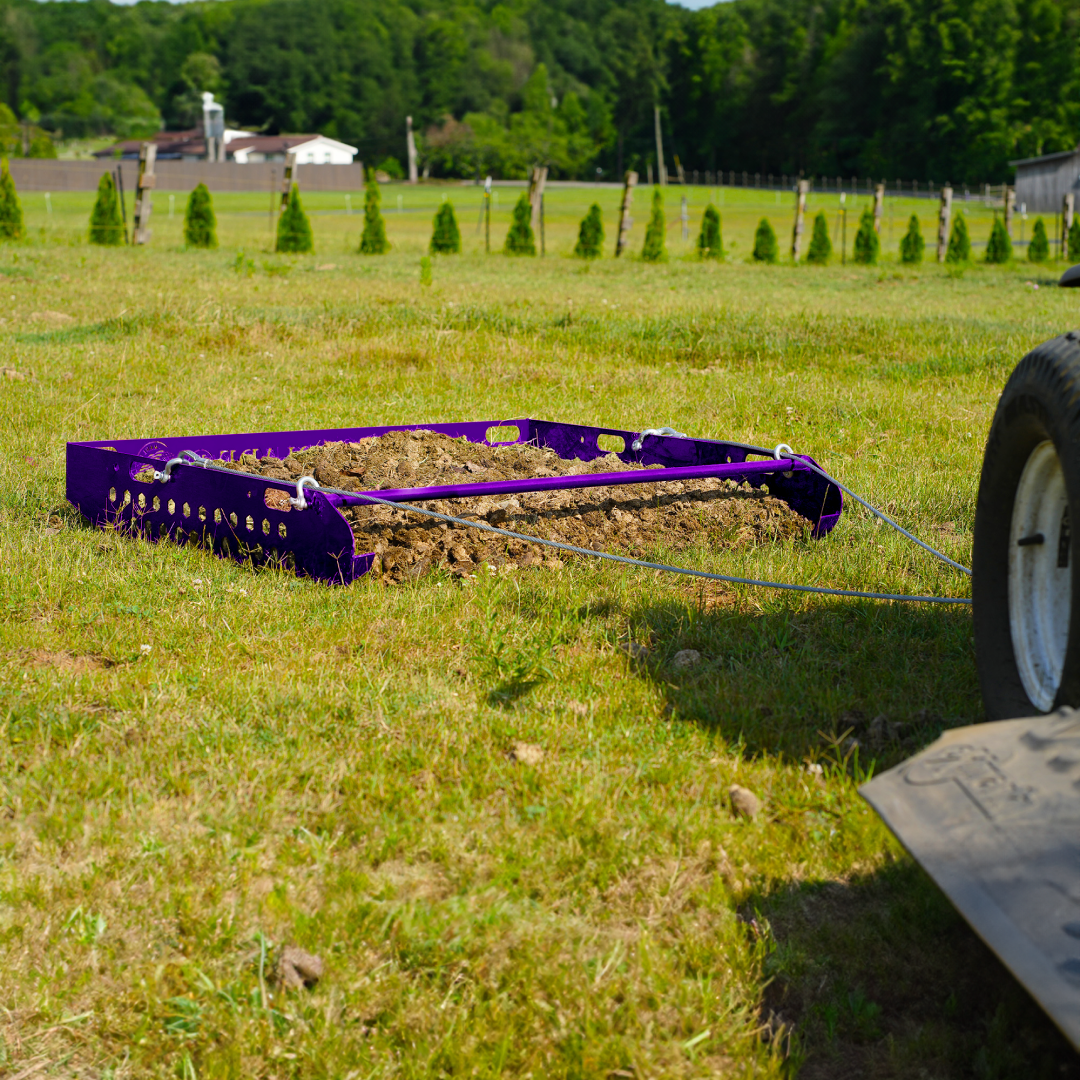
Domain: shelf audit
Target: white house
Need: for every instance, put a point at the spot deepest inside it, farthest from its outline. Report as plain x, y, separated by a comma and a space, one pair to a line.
309, 149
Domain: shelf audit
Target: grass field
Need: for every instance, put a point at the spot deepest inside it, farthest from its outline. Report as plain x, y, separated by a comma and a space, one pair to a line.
201, 765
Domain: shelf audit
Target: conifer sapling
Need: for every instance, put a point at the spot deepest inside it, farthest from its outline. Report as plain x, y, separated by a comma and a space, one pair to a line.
373, 241
200, 223
959, 249
766, 249
1039, 248
294, 229
912, 244
11, 215
867, 245
998, 247
519, 240
445, 236
820, 245
654, 250
710, 245
1074, 239
590, 242
106, 226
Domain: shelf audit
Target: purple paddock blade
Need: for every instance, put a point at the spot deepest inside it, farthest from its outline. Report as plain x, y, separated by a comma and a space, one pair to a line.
109, 483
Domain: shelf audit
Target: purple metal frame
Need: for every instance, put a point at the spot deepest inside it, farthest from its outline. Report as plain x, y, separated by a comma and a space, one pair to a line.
106, 482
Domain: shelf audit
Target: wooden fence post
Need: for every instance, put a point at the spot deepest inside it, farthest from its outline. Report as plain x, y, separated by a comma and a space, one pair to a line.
144, 185
1010, 208
625, 220
800, 218
287, 180
879, 206
536, 197
1068, 205
944, 220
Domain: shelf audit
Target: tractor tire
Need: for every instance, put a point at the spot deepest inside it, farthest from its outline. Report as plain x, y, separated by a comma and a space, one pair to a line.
1025, 596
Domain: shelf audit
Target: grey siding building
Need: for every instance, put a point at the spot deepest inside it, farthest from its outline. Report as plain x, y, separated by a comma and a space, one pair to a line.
1042, 181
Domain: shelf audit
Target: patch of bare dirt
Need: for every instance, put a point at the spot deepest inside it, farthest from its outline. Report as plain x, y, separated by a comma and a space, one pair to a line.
629, 519
76, 663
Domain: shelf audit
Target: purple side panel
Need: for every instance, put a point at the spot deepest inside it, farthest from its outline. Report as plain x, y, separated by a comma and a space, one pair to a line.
281, 443
317, 541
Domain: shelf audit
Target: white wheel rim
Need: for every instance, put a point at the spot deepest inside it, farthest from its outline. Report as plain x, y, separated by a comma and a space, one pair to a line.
1040, 587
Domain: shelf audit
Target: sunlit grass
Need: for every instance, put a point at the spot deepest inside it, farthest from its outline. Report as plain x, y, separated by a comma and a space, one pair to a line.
291, 763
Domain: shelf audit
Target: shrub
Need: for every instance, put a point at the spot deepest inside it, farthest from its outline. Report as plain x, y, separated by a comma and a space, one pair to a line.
998, 247
654, 250
293, 227
590, 243
820, 245
392, 167
1074, 239
519, 240
1039, 248
766, 249
41, 146
446, 236
710, 245
11, 217
959, 249
106, 226
200, 224
867, 245
373, 241
912, 245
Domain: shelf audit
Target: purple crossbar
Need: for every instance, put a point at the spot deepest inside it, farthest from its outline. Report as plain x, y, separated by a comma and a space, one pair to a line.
739, 471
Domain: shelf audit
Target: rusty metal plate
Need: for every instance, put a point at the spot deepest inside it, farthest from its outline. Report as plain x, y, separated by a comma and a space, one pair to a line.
992, 813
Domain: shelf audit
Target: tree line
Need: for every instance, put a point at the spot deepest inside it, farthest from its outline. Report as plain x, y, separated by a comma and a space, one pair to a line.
931, 90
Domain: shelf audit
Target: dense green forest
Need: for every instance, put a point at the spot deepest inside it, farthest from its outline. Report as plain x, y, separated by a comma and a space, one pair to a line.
914, 89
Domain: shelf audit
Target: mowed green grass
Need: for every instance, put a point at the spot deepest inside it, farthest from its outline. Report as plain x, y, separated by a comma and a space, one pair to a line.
292, 764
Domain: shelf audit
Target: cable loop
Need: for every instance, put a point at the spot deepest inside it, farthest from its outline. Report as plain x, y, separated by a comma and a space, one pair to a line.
670, 432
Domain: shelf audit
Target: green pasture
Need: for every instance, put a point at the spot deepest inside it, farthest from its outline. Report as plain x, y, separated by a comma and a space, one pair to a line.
201, 763
246, 219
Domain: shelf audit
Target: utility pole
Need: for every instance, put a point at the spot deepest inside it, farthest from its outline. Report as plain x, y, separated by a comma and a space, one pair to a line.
661, 171
410, 146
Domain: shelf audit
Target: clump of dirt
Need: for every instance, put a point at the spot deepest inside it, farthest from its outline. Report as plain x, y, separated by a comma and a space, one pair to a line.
629, 519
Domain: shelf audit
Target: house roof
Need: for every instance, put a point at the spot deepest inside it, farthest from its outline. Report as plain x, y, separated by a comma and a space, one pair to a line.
192, 143
268, 144
1059, 156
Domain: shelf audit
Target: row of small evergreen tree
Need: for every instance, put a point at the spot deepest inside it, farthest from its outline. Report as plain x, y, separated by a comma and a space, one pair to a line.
294, 233
912, 245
